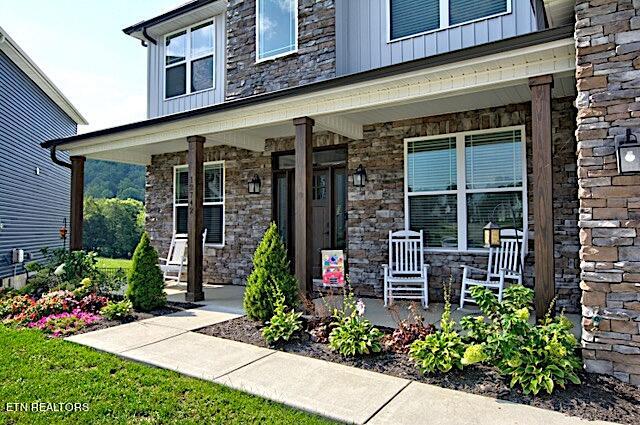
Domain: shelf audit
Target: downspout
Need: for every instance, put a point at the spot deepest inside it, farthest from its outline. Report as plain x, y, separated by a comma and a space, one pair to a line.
147, 37
56, 160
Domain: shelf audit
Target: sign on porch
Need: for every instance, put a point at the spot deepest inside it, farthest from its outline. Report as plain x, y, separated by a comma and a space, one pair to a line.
333, 268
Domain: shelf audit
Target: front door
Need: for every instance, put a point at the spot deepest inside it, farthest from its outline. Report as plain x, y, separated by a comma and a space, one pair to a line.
328, 200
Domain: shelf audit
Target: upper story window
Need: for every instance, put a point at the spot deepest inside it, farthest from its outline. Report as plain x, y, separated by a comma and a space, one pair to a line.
408, 18
189, 60
276, 28
456, 183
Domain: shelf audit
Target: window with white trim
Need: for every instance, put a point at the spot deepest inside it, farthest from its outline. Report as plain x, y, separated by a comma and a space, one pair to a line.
456, 183
276, 28
213, 204
408, 18
190, 60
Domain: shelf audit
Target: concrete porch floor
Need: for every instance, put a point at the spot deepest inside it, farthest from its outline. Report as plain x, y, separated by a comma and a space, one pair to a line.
228, 299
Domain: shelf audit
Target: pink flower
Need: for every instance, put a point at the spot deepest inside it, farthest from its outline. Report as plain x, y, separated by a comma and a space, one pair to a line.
360, 307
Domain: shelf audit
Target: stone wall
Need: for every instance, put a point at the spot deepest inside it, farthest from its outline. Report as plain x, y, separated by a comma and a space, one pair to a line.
315, 59
608, 80
378, 207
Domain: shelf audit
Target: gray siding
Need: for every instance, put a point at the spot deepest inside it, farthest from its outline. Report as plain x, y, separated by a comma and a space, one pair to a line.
361, 31
32, 206
157, 105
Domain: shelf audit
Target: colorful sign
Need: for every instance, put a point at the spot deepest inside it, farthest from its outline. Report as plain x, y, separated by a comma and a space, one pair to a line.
333, 268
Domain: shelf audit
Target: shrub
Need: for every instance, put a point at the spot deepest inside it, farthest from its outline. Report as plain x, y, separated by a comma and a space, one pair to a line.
353, 335
282, 325
536, 357
117, 310
442, 350
407, 331
270, 273
146, 284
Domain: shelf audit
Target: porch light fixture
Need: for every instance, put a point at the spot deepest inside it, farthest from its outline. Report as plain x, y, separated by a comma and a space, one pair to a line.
491, 235
254, 185
628, 154
360, 176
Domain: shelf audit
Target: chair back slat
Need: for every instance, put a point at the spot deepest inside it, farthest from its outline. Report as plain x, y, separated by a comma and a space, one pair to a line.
406, 252
509, 255
179, 250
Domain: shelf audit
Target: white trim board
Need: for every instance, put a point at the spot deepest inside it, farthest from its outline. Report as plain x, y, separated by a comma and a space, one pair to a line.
469, 76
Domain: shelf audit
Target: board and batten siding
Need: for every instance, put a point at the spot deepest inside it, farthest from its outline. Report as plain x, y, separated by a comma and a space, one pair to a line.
157, 105
361, 31
32, 207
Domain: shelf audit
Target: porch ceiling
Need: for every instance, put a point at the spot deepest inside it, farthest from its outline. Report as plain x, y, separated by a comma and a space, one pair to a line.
486, 81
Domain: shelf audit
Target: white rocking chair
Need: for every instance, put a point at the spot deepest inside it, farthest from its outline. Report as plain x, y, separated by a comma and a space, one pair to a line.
173, 266
406, 276
505, 264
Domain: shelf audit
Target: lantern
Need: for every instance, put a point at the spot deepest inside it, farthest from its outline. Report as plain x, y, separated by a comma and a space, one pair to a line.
254, 185
360, 176
628, 153
491, 235
63, 232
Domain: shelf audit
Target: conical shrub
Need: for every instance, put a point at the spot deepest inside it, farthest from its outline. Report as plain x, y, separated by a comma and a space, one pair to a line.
270, 271
146, 284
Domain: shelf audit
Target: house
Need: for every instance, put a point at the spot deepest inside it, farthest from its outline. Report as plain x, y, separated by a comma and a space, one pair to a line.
34, 192
457, 113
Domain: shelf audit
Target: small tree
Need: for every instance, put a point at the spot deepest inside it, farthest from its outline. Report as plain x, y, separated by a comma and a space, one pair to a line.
270, 274
146, 284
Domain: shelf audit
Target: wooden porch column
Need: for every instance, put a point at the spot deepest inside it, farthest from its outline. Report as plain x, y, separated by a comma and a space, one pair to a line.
542, 192
195, 158
303, 178
77, 202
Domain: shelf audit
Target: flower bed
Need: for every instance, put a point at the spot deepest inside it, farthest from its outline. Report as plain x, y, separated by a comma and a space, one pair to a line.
598, 398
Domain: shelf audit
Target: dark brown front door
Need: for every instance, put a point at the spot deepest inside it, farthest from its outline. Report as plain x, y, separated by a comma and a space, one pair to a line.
329, 188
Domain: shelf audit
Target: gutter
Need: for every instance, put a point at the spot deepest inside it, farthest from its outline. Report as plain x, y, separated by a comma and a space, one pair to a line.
56, 160
147, 37
500, 46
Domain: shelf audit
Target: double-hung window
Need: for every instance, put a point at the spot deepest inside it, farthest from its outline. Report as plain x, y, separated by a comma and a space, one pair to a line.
213, 201
455, 184
276, 28
408, 18
190, 60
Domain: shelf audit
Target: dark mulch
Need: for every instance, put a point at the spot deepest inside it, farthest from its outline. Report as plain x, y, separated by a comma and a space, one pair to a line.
598, 398
171, 307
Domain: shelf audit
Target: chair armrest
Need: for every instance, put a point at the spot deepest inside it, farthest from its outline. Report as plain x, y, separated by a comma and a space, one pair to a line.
385, 268
475, 269
164, 260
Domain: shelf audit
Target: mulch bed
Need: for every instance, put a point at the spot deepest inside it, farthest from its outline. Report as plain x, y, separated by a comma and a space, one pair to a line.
598, 398
171, 307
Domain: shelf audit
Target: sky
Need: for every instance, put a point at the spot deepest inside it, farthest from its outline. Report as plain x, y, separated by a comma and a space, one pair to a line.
80, 45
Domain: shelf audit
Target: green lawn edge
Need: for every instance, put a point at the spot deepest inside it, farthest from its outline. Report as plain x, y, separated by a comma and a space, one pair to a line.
113, 263
34, 368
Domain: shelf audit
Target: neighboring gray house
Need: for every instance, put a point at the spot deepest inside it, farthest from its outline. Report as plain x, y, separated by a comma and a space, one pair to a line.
34, 192
454, 108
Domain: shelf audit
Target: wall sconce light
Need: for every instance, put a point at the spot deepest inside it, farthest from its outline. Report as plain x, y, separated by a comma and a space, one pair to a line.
254, 185
360, 176
491, 235
628, 152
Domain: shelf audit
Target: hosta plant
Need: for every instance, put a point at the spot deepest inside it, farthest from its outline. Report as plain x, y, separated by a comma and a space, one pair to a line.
536, 357
442, 350
117, 310
353, 334
283, 325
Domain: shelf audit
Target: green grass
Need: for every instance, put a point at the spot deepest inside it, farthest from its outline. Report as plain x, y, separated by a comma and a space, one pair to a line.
36, 369
113, 263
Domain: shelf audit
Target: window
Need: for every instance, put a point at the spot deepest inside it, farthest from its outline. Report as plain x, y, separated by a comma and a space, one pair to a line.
276, 28
189, 60
213, 201
455, 184
408, 18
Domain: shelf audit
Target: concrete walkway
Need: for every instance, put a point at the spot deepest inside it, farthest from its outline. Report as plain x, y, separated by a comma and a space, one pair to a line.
336, 391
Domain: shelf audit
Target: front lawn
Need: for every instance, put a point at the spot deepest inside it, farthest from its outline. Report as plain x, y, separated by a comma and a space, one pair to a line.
113, 263
34, 368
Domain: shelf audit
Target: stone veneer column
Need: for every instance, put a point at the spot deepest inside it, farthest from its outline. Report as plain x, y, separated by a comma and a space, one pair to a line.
608, 80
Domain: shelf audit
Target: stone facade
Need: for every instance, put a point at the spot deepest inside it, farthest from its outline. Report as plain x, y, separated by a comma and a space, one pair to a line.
378, 207
608, 80
315, 59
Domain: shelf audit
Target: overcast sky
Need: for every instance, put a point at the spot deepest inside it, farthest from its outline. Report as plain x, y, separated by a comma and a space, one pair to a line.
80, 45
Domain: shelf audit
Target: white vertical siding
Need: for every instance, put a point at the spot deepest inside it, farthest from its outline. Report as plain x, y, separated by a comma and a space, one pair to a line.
157, 105
361, 30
